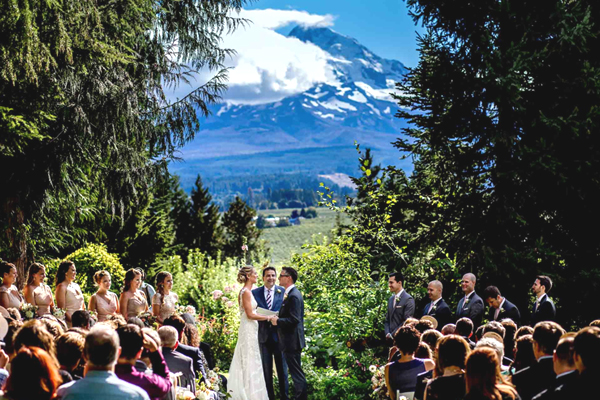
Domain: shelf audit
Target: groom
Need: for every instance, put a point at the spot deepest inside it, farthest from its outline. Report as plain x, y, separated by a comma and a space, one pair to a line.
290, 325
270, 297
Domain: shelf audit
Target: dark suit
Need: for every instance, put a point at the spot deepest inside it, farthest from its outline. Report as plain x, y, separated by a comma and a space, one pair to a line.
177, 362
545, 311
532, 380
472, 310
194, 354
510, 311
553, 392
269, 343
396, 315
291, 339
441, 313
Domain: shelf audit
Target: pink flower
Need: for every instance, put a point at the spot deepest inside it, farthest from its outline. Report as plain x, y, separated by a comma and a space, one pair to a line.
227, 289
229, 304
244, 248
216, 294
224, 299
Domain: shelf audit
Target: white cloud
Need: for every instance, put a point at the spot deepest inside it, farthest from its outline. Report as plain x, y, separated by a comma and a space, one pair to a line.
270, 66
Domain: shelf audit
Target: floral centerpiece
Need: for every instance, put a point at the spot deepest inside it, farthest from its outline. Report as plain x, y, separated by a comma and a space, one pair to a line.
378, 382
28, 311
59, 313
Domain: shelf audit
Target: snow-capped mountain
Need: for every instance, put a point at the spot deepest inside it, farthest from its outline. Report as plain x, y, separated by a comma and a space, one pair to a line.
324, 121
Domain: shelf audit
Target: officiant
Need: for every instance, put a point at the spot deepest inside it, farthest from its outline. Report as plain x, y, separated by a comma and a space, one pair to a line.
269, 297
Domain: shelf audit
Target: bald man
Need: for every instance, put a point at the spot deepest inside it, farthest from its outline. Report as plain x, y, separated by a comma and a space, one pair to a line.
471, 305
437, 308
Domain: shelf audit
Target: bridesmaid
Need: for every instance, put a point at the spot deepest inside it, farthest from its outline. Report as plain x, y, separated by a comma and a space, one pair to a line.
68, 294
105, 303
133, 301
37, 292
9, 294
164, 301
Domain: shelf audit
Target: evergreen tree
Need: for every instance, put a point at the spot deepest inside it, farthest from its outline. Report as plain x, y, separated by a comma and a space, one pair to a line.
205, 232
240, 229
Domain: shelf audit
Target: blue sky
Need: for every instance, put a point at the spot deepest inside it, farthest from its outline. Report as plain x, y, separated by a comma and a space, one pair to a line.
383, 26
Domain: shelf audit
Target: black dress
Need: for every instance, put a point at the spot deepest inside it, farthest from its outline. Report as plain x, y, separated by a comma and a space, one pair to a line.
447, 388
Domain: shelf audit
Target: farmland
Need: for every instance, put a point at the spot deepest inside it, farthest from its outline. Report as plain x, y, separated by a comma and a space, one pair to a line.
285, 241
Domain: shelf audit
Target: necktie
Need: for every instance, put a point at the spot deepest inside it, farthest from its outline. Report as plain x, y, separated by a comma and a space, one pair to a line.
269, 299
430, 308
496, 314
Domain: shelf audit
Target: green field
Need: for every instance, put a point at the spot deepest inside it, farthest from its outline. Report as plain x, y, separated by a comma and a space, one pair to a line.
285, 241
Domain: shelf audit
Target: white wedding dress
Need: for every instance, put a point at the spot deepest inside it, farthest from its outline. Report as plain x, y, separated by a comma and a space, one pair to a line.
246, 379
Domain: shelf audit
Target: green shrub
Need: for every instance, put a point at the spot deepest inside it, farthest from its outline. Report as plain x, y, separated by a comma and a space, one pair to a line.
88, 260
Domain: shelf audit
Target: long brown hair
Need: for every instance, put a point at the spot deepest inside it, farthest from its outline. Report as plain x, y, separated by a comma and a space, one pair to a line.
160, 284
63, 268
130, 276
34, 375
483, 375
34, 269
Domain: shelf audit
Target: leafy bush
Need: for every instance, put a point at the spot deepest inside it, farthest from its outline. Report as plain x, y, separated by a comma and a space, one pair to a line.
88, 260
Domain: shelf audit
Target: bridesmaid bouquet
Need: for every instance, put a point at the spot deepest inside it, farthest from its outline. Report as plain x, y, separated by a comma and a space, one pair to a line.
59, 313
148, 319
28, 311
185, 309
94, 316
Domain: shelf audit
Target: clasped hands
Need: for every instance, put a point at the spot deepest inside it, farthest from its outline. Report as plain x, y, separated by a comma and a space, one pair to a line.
273, 320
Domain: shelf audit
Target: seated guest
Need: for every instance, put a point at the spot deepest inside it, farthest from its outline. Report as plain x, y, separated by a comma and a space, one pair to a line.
524, 356
81, 319
53, 325
33, 333
411, 321
401, 375
540, 376
479, 333
136, 321
205, 347
37, 292
449, 329
133, 342
191, 337
464, 329
452, 352
431, 337
495, 344
586, 354
33, 375
496, 327
510, 328
100, 382
176, 361
69, 352
500, 308
423, 351
3, 363
564, 367
524, 330
483, 378
192, 352
595, 323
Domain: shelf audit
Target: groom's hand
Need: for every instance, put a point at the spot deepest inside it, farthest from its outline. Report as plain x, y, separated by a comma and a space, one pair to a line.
274, 321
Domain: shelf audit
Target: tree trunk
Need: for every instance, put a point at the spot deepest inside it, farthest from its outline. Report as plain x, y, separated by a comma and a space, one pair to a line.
16, 233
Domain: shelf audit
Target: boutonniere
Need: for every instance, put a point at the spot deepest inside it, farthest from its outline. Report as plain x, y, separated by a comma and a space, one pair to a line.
467, 301
501, 310
433, 307
278, 290
285, 296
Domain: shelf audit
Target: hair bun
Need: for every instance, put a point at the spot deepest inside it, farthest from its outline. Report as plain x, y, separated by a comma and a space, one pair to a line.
243, 273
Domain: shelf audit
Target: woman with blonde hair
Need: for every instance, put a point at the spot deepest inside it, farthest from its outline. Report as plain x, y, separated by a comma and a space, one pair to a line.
132, 301
37, 292
104, 302
164, 301
246, 378
484, 381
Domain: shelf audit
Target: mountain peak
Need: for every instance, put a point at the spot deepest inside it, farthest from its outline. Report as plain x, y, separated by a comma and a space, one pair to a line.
329, 40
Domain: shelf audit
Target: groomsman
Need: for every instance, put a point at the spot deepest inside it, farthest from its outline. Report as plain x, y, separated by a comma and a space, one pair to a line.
401, 306
543, 309
500, 308
270, 297
471, 306
437, 308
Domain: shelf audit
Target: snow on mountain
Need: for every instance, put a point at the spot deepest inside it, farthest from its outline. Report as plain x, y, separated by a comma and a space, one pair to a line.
356, 105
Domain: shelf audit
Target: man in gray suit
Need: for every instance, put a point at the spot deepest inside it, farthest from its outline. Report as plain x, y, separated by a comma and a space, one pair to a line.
176, 361
401, 306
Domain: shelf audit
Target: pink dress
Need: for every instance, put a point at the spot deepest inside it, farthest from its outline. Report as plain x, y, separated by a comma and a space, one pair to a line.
14, 297
42, 297
106, 308
73, 299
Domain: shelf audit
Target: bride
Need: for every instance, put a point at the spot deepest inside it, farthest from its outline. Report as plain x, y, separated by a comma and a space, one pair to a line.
246, 378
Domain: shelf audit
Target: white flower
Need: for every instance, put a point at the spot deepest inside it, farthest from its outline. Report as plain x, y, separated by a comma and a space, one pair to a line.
190, 310
372, 369
244, 248
29, 314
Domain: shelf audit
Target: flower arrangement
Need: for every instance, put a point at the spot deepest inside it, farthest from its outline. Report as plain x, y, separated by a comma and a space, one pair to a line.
148, 319
28, 311
94, 316
59, 313
185, 310
378, 382
202, 392
184, 394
